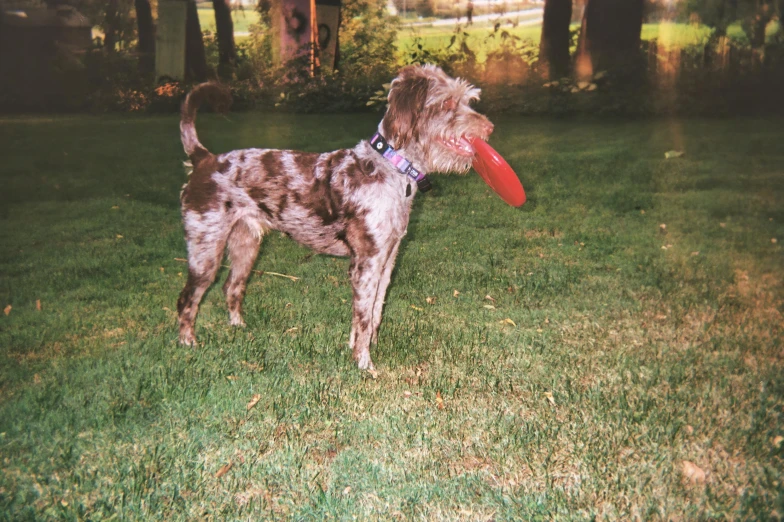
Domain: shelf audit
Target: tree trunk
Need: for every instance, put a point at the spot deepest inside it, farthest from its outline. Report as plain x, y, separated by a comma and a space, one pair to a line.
227, 54
610, 34
554, 43
146, 31
110, 26
195, 58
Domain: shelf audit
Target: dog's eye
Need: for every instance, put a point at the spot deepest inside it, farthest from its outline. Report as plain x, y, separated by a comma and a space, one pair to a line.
449, 105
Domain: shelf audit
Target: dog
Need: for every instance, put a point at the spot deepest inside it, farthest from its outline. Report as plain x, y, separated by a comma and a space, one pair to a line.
351, 202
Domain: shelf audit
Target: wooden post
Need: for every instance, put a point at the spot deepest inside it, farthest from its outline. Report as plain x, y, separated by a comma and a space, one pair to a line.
170, 41
294, 30
328, 19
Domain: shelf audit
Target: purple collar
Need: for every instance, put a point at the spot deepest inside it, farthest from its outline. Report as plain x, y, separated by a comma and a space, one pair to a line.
381, 146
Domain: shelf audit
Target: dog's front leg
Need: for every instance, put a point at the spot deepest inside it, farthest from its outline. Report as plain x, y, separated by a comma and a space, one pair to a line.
386, 275
366, 279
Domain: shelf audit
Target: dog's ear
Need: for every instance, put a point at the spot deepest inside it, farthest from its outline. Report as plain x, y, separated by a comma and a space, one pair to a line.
407, 97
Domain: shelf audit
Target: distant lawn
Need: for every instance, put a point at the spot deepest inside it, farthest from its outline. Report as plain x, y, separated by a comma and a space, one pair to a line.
611, 350
481, 39
242, 19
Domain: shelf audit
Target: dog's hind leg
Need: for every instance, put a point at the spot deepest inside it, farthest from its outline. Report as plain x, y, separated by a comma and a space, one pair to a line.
205, 253
243, 246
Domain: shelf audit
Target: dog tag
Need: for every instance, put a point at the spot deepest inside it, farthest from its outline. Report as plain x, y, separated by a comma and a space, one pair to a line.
408, 189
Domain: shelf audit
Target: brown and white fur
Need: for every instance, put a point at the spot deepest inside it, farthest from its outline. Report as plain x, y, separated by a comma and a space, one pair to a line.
349, 202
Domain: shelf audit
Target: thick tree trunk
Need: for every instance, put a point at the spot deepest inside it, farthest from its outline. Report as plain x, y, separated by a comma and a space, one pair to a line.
610, 33
110, 26
554, 43
146, 31
227, 54
195, 58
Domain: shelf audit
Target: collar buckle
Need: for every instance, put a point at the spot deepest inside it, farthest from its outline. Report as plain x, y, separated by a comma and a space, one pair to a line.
380, 145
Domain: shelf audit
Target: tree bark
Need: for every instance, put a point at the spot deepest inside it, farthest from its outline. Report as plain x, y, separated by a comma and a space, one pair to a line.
110, 26
146, 31
227, 53
195, 58
610, 33
554, 43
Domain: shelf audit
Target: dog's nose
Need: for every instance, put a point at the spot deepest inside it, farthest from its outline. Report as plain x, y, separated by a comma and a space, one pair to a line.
487, 127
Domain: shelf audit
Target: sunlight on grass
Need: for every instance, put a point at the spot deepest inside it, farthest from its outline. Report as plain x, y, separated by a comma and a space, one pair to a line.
610, 350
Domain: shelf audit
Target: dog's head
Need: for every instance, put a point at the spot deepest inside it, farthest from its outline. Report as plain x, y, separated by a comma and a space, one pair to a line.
430, 119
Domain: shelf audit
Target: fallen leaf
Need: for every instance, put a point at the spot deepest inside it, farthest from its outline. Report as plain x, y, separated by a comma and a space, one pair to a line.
439, 401
224, 469
489, 298
689, 429
550, 398
778, 440
692, 472
774, 240
430, 300
670, 154
253, 401
455, 293
115, 207
663, 228
232, 377
347, 490
695, 253
490, 307
373, 373
119, 236
291, 330
161, 269
406, 394
64, 503
723, 225
642, 211
7, 309
38, 304
508, 321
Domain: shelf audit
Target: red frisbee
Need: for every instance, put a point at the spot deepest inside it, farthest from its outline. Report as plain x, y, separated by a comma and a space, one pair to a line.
497, 173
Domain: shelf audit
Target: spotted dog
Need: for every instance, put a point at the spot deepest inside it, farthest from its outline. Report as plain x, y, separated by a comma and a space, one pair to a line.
350, 202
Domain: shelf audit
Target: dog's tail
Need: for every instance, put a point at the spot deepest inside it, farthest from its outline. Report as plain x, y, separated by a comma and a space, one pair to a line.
218, 96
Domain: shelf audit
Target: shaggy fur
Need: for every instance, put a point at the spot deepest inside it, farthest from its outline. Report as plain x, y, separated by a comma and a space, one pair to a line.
349, 202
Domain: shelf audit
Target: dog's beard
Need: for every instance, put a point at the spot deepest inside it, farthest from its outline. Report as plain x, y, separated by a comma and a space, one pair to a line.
450, 152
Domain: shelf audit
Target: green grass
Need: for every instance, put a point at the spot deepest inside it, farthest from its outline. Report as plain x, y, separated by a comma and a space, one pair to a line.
582, 355
481, 41
242, 19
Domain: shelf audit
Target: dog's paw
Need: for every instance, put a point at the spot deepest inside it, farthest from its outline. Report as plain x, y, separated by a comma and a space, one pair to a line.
364, 363
236, 320
188, 339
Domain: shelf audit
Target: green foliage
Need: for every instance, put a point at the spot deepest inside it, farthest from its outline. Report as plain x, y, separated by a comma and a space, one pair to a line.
367, 42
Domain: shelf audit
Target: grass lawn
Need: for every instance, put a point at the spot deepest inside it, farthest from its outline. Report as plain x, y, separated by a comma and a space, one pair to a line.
481, 39
611, 350
242, 18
